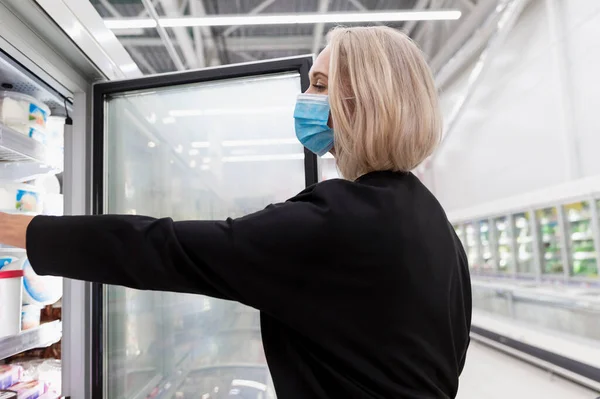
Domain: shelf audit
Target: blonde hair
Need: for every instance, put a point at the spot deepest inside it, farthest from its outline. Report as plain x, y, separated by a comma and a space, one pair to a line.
383, 101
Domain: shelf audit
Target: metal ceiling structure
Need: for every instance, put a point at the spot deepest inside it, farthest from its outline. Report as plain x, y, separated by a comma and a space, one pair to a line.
159, 50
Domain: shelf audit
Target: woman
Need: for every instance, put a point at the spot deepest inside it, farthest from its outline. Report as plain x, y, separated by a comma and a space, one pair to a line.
362, 285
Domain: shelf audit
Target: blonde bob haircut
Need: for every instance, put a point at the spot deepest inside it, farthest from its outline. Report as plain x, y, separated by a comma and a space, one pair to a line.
383, 100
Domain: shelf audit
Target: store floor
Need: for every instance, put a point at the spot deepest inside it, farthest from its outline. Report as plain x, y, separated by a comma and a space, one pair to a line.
491, 374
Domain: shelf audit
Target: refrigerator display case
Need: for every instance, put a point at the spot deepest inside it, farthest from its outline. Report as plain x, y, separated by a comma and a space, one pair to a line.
32, 117
524, 243
460, 232
473, 247
551, 240
503, 238
207, 144
580, 238
487, 257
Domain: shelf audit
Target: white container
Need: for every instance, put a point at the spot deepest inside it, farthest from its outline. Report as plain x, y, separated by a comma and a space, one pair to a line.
22, 112
11, 283
20, 198
30, 317
40, 290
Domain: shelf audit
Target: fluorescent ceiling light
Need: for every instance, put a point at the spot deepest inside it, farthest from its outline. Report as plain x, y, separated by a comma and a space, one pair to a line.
200, 144
286, 19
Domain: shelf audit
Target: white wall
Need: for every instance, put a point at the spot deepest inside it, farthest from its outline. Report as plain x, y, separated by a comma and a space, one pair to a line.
532, 121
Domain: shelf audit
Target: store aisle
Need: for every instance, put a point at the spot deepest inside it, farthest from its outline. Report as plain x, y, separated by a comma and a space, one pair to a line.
491, 374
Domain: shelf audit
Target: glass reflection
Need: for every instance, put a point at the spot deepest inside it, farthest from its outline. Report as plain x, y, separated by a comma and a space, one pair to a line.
202, 151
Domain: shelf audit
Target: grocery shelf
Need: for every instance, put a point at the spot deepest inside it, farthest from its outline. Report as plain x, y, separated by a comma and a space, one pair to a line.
40, 337
21, 157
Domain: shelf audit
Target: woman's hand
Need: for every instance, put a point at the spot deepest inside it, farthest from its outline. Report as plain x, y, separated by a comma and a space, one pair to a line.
13, 229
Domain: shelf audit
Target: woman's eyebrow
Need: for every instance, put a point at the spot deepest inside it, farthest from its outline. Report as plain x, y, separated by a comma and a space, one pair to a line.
318, 74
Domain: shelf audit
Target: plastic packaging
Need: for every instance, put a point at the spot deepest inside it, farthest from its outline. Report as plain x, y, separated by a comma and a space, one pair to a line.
8, 394
10, 302
30, 317
10, 375
24, 114
5, 261
29, 390
20, 198
40, 290
50, 372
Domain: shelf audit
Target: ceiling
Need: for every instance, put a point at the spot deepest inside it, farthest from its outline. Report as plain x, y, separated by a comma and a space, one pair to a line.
199, 47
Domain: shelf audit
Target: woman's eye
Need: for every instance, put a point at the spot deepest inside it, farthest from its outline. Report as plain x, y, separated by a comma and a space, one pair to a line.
319, 87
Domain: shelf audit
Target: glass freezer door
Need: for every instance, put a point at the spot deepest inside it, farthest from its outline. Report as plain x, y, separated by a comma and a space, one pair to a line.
207, 144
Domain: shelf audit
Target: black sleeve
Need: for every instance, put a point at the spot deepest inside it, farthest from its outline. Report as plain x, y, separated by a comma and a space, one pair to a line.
253, 260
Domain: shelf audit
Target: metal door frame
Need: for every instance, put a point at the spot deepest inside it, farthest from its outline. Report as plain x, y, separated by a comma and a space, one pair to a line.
100, 91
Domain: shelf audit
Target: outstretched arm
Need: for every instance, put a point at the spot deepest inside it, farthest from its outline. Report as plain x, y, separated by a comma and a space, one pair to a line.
268, 260
13, 229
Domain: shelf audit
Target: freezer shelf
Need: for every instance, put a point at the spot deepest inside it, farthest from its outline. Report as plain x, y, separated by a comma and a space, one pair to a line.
23, 158
40, 337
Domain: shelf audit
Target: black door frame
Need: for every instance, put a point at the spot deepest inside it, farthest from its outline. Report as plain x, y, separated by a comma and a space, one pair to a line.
100, 91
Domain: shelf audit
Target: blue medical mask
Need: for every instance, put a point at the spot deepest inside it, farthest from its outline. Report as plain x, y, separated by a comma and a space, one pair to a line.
311, 116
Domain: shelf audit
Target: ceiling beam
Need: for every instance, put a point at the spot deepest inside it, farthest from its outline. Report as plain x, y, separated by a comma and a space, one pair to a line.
464, 31
409, 26
247, 57
319, 28
164, 36
203, 37
250, 43
139, 59
186, 46
144, 12
255, 10
196, 9
361, 7
110, 8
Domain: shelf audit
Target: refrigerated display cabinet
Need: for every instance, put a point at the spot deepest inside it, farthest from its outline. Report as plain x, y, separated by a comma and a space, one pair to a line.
556, 243
30, 160
473, 247
486, 248
549, 230
580, 224
504, 248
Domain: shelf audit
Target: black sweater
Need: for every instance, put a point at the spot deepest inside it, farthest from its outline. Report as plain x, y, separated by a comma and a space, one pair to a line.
363, 286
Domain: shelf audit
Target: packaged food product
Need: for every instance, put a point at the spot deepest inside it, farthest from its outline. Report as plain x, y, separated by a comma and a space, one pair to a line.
5, 261
8, 394
10, 375
30, 369
50, 372
20, 197
30, 317
40, 290
29, 390
11, 283
22, 112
